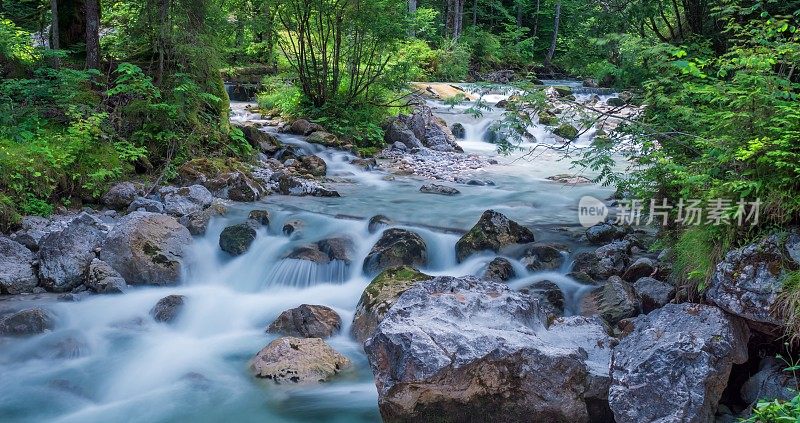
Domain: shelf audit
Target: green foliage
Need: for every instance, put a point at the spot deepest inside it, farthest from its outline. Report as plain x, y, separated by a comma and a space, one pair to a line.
776, 411
696, 252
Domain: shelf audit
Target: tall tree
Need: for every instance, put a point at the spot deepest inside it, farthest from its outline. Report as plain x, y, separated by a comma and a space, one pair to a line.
552, 50
92, 8
54, 25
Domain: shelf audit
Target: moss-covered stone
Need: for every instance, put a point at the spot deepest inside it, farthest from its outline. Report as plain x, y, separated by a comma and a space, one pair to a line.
492, 232
615, 102
379, 296
236, 239
396, 247
567, 131
562, 90
547, 118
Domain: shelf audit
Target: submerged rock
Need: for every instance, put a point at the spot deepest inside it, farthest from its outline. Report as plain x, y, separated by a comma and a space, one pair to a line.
458, 130
103, 279
550, 296
438, 189
166, 309
492, 232
396, 247
237, 239
377, 222
499, 270
451, 349
17, 274
260, 216
290, 360
569, 179
379, 296
747, 282
675, 364
27, 322
64, 256
307, 321
323, 252
147, 248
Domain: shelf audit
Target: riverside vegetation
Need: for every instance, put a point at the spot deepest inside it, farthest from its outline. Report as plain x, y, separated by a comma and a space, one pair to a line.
235, 156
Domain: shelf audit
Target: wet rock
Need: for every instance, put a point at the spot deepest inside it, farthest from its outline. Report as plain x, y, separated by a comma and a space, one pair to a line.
291, 185
378, 222
304, 127
290, 360
30, 321
324, 251
540, 257
166, 309
770, 383
499, 270
602, 233
400, 137
261, 141
492, 232
260, 216
396, 247
458, 130
379, 296
613, 258
502, 104
547, 118
365, 164
549, 294
146, 204
421, 128
567, 131
642, 267
228, 179
613, 301
103, 279
747, 282
64, 256
185, 200
675, 364
324, 138
563, 90
237, 239
312, 165
451, 349
17, 274
615, 102
652, 293
438, 189
569, 179
291, 227
197, 222
147, 248
120, 195
307, 321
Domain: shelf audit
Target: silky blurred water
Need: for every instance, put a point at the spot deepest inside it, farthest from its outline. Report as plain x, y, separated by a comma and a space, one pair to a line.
109, 361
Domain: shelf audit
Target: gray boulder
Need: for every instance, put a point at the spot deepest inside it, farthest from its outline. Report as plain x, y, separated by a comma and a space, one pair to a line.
421, 128
30, 321
237, 239
747, 282
602, 233
613, 301
396, 247
438, 189
146, 204
499, 270
147, 248
770, 383
197, 222
64, 256
17, 274
653, 293
492, 232
120, 195
103, 279
185, 200
290, 360
451, 349
166, 309
675, 364
307, 321
642, 267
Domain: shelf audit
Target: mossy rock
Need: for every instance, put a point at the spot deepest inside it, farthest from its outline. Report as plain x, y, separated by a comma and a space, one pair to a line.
236, 239
380, 295
547, 118
492, 232
324, 138
562, 90
615, 102
567, 131
396, 247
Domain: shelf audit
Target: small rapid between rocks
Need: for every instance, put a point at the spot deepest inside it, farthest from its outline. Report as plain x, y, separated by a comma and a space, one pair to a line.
108, 360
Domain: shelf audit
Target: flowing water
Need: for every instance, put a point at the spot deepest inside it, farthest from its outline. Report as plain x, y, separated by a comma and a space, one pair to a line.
109, 361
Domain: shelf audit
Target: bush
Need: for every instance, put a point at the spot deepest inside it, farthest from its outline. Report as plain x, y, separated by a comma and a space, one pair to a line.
776, 411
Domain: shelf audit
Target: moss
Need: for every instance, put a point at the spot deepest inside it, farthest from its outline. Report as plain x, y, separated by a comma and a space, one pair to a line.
567, 131
697, 250
401, 276
547, 118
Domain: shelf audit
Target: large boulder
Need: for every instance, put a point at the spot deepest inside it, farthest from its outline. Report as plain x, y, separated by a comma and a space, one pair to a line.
492, 232
675, 364
396, 247
613, 301
642, 267
260, 140
499, 270
602, 233
304, 127
185, 200
747, 282
147, 248
224, 179
451, 349
307, 321
64, 256
17, 274
237, 239
120, 195
653, 293
324, 138
167, 309
421, 128
290, 360
27, 322
379, 296
103, 279
311, 165
771, 382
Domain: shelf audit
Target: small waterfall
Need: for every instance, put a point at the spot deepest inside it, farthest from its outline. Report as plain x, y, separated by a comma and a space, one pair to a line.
304, 273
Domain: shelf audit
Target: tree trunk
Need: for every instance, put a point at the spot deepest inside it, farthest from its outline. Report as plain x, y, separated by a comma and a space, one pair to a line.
71, 23
163, 13
536, 19
552, 50
474, 12
458, 18
54, 25
450, 17
412, 9
92, 34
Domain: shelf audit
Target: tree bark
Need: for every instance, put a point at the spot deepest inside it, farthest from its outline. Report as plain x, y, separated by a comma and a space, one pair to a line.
92, 34
412, 9
552, 51
54, 25
71, 23
474, 12
536, 19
